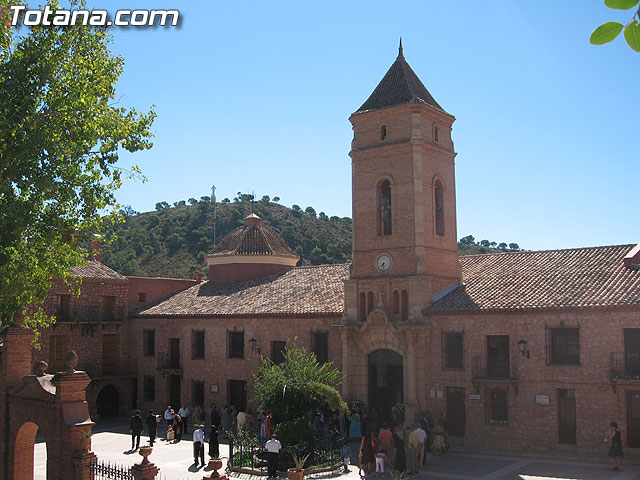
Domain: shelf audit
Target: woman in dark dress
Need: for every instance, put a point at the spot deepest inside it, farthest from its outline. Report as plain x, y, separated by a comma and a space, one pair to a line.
615, 451
214, 445
400, 463
367, 451
177, 427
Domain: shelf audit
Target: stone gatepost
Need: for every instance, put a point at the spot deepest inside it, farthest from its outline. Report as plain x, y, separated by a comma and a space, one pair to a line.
145, 470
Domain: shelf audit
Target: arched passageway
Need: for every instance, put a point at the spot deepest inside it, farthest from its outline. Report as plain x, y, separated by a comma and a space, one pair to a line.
29, 464
386, 385
108, 401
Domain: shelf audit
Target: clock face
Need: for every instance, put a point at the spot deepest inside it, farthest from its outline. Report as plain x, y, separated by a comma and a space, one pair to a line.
383, 263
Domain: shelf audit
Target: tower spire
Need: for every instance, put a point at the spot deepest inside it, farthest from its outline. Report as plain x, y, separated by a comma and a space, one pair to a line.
400, 54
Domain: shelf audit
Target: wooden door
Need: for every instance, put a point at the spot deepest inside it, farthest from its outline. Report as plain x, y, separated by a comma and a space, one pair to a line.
498, 356
237, 394
567, 416
632, 351
174, 392
456, 411
633, 419
174, 353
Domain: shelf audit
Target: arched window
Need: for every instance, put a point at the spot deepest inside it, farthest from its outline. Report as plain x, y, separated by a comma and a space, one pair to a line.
439, 207
404, 305
369, 301
383, 133
395, 302
435, 134
362, 307
384, 208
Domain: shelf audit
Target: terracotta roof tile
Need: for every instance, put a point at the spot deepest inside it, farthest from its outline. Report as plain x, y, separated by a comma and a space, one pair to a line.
96, 270
252, 240
572, 278
315, 290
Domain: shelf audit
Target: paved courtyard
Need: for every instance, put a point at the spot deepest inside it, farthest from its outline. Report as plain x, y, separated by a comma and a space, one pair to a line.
111, 443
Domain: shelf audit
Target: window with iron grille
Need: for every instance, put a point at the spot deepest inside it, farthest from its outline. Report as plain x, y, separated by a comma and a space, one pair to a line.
320, 346
565, 346
496, 408
149, 342
453, 351
235, 348
197, 344
149, 388
197, 392
277, 351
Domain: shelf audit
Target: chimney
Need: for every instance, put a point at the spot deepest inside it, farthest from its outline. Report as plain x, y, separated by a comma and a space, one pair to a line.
197, 277
632, 259
96, 244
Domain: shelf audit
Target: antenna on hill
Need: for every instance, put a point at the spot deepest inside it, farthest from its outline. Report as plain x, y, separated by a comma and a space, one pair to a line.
213, 200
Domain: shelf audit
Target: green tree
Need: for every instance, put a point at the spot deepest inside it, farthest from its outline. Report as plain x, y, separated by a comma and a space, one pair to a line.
60, 133
298, 384
162, 206
514, 246
310, 211
468, 240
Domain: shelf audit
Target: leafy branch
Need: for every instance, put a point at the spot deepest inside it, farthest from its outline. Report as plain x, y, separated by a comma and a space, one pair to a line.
607, 32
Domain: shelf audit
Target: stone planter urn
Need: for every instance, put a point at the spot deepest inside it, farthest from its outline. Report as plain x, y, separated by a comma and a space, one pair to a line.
295, 474
215, 464
145, 451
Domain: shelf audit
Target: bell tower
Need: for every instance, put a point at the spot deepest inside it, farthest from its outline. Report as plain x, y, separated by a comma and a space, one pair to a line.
404, 209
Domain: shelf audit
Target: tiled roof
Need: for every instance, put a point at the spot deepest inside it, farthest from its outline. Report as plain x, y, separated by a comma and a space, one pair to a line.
252, 240
300, 291
399, 85
97, 271
574, 278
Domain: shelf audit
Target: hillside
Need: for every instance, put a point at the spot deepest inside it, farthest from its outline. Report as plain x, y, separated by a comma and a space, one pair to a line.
173, 241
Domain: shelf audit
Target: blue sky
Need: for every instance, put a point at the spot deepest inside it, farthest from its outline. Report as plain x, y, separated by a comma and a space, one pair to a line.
256, 96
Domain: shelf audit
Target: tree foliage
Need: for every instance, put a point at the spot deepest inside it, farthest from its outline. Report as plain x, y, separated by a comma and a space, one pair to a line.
60, 133
607, 32
297, 385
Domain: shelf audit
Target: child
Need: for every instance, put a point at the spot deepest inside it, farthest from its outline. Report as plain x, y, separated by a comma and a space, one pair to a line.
380, 458
346, 456
170, 434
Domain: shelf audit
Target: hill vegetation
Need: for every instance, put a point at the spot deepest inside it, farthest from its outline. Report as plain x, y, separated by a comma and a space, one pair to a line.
173, 240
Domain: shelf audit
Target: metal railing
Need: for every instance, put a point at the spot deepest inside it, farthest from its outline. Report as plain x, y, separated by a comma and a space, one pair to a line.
108, 471
481, 368
91, 314
624, 365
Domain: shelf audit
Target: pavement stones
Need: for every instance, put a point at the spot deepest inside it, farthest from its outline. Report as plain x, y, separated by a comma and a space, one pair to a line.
111, 442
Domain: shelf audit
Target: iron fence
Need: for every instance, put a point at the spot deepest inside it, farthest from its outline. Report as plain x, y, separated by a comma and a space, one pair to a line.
108, 471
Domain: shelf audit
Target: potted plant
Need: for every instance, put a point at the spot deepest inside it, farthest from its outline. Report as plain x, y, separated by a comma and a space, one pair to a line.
299, 460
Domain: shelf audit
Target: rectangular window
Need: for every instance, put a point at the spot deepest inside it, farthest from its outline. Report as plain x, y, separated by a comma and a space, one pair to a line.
320, 346
197, 344
142, 297
496, 407
149, 342
565, 346
498, 356
149, 388
453, 352
62, 308
108, 308
235, 344
277, 351
57, 352
109, 354
197, 393
632, 352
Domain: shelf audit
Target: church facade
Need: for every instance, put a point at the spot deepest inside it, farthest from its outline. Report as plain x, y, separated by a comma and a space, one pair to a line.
519, 351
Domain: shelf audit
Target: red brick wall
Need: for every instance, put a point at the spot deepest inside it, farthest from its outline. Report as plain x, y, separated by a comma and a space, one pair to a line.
155, 289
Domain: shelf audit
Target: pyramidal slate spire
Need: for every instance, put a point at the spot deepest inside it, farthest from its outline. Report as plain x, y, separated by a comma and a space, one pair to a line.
400, 85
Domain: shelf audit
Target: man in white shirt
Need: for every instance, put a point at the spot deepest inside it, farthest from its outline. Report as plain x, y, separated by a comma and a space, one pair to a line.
422, 437
198, 444
273, 447
184, 414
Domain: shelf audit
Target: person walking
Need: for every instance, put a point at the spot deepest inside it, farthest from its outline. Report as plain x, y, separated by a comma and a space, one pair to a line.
273, 447
615, 451
198, 444
214, 443
152, 425
411, 451
422, 438
135, 426
367, 452
385, 437
214, 418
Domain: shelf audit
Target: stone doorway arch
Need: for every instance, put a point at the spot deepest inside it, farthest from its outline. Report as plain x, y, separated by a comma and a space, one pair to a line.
386, 384
108, 401
23, 455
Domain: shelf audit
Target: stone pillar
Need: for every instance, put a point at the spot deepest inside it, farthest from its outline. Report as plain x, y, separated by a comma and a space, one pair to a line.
82, 465
344, 335
145, 470
15, 363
